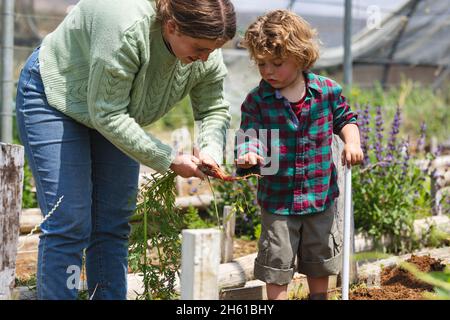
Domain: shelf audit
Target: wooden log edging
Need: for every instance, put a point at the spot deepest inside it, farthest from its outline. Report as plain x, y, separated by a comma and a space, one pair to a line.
11, 185
29, 219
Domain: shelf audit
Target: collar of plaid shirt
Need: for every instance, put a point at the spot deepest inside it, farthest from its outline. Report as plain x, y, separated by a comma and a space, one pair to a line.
312, 83
306, 179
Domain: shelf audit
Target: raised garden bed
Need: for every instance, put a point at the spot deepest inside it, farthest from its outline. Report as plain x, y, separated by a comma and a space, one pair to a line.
399, 284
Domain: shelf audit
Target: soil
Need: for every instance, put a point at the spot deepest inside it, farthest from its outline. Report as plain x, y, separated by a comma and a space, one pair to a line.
399, 284
242, 247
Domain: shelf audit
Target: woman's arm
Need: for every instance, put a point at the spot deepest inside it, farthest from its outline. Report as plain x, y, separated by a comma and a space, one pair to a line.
211, 110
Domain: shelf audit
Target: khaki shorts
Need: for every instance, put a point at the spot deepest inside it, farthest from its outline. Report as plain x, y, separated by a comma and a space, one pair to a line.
313, 239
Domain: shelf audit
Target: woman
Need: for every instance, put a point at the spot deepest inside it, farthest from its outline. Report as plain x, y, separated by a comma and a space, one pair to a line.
109, 69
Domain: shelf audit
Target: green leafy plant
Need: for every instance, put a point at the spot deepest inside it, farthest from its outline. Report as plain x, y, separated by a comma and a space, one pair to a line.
257, 232
156, 225
194, 221
29, 199
28, 195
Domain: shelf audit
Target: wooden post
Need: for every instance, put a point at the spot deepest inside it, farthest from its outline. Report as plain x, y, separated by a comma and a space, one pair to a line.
440, 178
200, 259
11, 184
338, 147
229, 223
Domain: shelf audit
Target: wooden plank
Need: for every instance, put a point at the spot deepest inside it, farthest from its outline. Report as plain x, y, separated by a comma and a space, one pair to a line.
198, 201
253, 290
441, 162
11, 184
29, 218
438, 162
440, 178
229, 223
200, 259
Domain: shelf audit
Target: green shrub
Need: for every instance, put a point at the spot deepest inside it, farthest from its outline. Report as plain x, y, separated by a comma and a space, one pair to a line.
28, 195
29, 199
389, 190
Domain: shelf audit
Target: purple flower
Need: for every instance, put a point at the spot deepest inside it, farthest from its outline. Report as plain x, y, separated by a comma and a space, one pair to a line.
421, 141
364, 130
406, 156
391, 148
438, 151
379, 150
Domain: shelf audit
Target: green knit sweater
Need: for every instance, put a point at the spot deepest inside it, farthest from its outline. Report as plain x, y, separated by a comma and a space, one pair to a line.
107, 67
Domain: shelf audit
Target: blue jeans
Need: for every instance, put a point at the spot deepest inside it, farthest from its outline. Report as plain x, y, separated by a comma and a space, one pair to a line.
99, 185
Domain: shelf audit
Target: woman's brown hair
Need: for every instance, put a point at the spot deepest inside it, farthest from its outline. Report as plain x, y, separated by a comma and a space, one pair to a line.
282, 33
202, 19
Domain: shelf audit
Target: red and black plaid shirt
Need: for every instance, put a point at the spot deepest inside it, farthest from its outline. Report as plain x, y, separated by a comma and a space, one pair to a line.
306, 179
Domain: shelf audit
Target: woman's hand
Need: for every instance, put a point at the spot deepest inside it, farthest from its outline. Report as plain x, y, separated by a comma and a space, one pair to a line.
204, 158
185, 165
249, 160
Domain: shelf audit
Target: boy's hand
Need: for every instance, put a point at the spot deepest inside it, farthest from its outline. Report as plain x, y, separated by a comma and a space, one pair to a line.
352, 154
249, 160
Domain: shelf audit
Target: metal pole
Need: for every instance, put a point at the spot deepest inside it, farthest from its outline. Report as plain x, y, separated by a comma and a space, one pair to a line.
348, 171
346, 233
291, 4
348, 60
7, 71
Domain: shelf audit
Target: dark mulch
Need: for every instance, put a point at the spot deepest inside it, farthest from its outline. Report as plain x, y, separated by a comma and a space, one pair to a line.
399, 284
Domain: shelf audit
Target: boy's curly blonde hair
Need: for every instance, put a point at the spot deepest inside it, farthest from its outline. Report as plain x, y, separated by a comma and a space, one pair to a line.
282, 33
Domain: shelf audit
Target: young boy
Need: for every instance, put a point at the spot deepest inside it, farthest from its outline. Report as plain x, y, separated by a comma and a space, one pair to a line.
296, 202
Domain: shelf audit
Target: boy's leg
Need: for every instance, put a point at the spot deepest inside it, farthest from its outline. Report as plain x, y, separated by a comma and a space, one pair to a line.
276, 292
277, 248
319, 253
318, 288
115, 184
